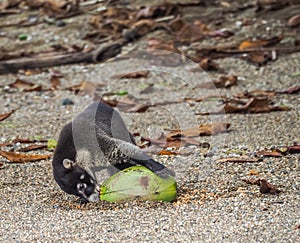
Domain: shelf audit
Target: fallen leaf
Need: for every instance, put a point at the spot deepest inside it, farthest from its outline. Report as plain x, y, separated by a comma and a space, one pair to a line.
160, 44
55, 82
269, 153
85, 87
254, 105
209, 65
27, 140
242, 159
252, 181
252, 172
32, 147
255, 94
260, 57
222, 82
23, 158
294, 21
254, 44
25, 85
167, 152
137, 74
266, 187
157, 11
192, 32
202, 130
291, 90
1, 164
295, 149
6, 115
176, 24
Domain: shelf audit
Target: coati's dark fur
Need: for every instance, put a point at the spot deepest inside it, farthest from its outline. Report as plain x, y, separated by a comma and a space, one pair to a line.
96, 139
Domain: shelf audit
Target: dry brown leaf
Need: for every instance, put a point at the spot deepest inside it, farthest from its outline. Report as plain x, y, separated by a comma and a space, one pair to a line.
295, 149
291, 90
252, 172
266, 187
255, 94
273, 153
260, 57
160, 44
137, 74
6, 115
254, 44
25, 85
33, 147
252, 181
202, 130
209, 65
242, 159
55, 82
294, 21
23, 158
162, 10
222, 82
85, 87
254, 105
190, 33
167, 152
27, 140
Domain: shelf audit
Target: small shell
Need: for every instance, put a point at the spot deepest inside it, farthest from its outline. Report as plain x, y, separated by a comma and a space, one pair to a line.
294, 21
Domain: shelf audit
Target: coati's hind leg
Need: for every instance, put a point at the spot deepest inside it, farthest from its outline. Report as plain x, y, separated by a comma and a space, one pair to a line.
126, 154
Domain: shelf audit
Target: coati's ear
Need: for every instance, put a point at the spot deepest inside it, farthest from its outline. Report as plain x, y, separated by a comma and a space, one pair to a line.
68, 164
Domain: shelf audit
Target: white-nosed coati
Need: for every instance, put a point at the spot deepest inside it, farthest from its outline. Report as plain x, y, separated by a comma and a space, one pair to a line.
96, 139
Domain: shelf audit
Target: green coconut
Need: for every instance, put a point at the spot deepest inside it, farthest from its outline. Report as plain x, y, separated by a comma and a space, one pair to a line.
138, 182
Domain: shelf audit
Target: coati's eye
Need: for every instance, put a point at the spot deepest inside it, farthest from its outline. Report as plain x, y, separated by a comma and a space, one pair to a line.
82, 177
81, 186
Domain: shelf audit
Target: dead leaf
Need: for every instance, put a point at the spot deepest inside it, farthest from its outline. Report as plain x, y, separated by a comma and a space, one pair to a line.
84, 87
157, 11
242, 159
160, 44
25, 85
27, 140
254, 105
295, 149
255, 44
291, 90
255, 94
167, 152
33, 147
6, 115
208, 65
202, 130
137, 74
260, 57
23, 158
294, 21
190, 33
273, 153
173, 152
252, 172
55, 82
266, 187
252, 181
176, 24
222, 82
